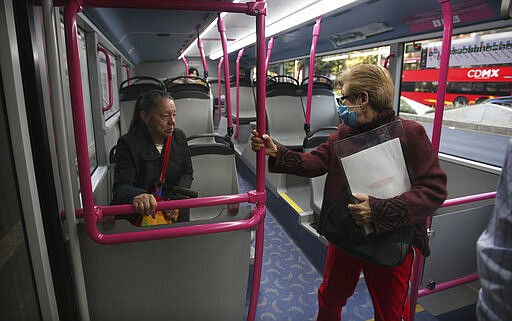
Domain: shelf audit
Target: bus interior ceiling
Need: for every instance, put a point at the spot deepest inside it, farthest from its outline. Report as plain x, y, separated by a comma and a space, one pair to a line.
150, 43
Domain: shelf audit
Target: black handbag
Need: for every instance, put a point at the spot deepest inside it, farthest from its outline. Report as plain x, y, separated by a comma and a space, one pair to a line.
339, 228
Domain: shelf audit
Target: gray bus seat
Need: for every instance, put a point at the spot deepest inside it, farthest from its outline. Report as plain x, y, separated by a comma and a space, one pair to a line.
316, 184
194, 105
285, 116
215, 174
166, 279
129, 91
323, 104
247, 109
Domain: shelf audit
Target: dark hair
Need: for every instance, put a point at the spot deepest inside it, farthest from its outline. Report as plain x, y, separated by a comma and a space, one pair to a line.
192, 69
147, 102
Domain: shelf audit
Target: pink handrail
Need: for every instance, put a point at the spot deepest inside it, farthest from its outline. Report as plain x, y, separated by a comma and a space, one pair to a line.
237, 75
299, 71
388, 58
93, 214
203, 57
436, 132
185, 62
109, 77
448, 285
312, 54
269, 53
219, 74
222, 31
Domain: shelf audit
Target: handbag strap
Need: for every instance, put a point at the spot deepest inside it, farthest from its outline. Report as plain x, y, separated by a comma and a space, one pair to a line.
165, 162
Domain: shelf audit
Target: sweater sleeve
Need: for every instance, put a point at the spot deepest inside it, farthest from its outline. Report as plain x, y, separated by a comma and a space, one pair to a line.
312, 164
428, 187
124, 189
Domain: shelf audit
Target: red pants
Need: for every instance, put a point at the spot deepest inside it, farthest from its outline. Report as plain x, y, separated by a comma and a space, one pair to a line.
388, 286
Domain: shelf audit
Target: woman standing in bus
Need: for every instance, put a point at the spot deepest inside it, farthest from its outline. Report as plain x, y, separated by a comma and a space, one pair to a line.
368, 96
139, 155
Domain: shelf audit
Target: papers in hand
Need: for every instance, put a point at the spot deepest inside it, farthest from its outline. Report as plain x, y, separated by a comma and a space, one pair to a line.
378, 171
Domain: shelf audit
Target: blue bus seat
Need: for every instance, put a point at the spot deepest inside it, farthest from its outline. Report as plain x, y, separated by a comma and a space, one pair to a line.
129, 91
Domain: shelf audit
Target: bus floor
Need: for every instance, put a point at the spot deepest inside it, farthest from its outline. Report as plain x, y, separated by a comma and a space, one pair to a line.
289, 282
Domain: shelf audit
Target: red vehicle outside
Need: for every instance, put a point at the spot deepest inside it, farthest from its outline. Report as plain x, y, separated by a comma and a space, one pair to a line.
465, 85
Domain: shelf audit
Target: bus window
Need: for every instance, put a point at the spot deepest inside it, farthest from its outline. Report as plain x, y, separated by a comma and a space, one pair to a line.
93, 159
473, 77
104, 84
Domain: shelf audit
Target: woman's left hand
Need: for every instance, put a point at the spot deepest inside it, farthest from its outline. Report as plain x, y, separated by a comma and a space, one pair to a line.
361, 212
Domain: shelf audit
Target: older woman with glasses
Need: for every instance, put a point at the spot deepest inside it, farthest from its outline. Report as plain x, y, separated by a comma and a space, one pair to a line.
139, 156
367, 103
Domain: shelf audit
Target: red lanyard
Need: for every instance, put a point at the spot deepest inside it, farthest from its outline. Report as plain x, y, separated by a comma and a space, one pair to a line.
167, 152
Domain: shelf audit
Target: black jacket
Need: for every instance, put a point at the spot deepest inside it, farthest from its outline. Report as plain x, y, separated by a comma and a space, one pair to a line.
138, 165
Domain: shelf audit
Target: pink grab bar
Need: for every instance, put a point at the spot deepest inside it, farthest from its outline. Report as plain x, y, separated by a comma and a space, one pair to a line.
109, 76
203, 58
219, 74
185, 62
237, 75
312, 54
222, 31
388, 58
269, 53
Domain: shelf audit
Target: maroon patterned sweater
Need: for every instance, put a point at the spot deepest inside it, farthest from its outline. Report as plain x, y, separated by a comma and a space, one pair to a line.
428, 186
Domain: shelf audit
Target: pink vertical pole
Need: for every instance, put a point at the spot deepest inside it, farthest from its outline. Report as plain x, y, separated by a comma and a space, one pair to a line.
260, 156
219, 74
269, 53
203, 58
77, 104
222, 31
186, 64
311, 73
299, 71
436, 132
237, 73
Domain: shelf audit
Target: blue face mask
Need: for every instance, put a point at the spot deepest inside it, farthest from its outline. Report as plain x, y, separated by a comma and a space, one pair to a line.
348, 117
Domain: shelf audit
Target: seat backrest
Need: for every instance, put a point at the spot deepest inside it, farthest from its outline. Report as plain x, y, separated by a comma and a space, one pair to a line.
194, 107
323, 105
214, 174
129, 91
247, 110
285, 115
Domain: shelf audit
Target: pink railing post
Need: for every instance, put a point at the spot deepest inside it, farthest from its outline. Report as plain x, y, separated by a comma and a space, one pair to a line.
109, 79
260, 156
185, 62
203, 58
269, 53
436, 133
222, 31
237, 75
311, 73
219, 74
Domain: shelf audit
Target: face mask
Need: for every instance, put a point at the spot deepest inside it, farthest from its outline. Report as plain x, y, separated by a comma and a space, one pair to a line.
348, 117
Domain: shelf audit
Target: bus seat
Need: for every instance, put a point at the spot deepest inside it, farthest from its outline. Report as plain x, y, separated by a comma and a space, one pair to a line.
129, 91
247, 102
316, 184
194, 106
285, 116
183, 279
215, 174
323, 105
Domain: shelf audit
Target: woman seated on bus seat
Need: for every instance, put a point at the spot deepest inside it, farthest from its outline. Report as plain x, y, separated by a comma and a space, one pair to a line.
368, 103
139, 155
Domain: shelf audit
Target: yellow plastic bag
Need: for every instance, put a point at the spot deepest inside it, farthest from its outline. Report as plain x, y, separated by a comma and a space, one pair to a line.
160, 218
